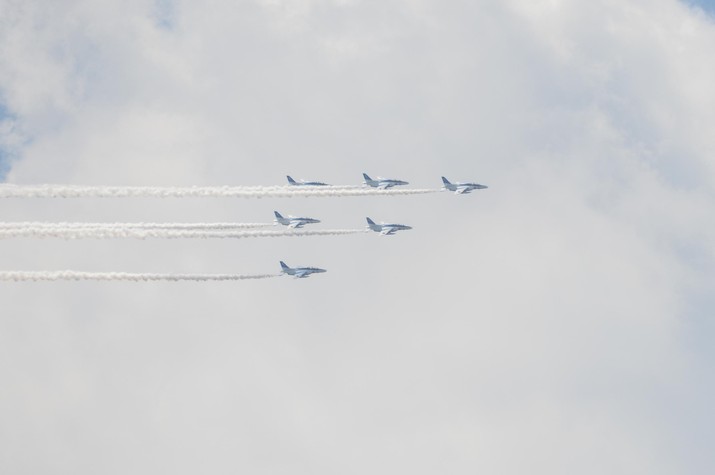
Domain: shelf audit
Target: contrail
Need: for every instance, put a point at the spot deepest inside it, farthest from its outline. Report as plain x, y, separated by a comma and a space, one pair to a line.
110, 233
177, 226
77, 191
75, 275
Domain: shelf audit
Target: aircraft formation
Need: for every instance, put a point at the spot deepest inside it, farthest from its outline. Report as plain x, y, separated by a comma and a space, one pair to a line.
294, 225
384, 229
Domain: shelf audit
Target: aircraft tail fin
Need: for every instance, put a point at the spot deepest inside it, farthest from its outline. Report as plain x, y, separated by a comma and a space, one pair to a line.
366, 177
290, 180
445, 181
278, 215
284, 266
370, 222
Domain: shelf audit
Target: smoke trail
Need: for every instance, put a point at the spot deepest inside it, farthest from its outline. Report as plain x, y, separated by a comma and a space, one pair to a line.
110, 233
75, 275
76, 191
177, 226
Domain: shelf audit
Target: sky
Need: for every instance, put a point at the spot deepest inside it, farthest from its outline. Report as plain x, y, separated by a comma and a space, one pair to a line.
558, 322
706, 5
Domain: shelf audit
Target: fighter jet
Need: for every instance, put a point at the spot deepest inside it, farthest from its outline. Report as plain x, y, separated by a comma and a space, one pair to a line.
304, 183
300, 272
382, 183
461, 188
293, 221
386, 229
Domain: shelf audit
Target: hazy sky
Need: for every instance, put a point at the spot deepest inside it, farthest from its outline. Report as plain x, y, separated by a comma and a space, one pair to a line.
559, 322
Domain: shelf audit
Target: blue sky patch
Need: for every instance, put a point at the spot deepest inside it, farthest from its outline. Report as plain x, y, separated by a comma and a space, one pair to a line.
164, 14
4, 155
8, 140
707, 5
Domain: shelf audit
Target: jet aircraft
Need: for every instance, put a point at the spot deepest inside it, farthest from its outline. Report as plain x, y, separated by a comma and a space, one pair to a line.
386, 229
300, 272
461, 188
293, 221
382, 183
292, 182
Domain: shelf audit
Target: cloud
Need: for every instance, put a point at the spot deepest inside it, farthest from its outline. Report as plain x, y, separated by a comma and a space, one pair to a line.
557, 322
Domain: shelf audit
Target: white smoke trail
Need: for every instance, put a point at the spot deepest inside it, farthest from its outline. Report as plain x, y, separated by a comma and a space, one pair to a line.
75, 275
76, 191
177, 226
110, 233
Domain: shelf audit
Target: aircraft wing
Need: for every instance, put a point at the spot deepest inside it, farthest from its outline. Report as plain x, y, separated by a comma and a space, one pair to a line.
463, 189
295, 224
383, 186
302, 273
